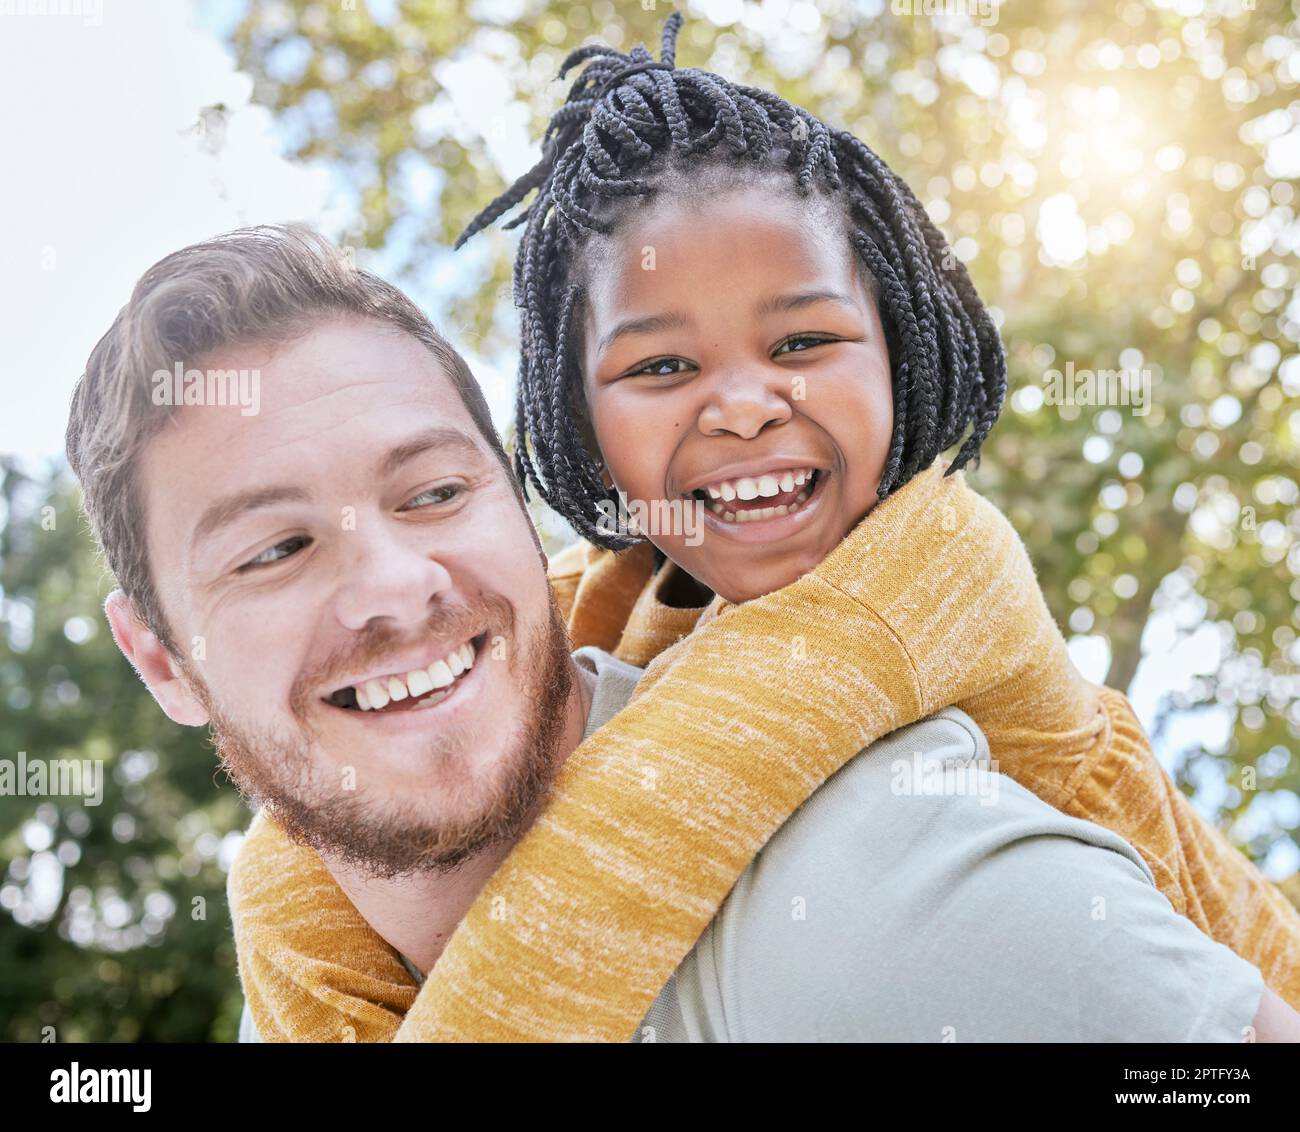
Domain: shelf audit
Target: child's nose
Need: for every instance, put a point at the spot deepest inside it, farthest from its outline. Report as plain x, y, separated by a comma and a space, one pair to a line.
744, 404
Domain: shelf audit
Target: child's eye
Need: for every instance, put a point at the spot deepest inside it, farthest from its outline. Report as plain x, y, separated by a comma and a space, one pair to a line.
657, 367
811, 340
441, 494
276, 553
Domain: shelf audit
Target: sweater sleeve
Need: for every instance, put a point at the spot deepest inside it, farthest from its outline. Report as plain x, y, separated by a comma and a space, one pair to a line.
932, 600
312, 969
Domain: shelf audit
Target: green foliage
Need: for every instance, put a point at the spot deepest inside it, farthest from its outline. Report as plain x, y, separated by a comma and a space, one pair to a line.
100, 901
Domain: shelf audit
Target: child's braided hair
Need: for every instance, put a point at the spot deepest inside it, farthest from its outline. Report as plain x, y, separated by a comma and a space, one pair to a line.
630, 126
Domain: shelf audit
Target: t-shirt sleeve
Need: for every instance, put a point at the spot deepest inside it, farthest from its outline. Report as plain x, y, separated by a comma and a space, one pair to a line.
247, 1028
888, 914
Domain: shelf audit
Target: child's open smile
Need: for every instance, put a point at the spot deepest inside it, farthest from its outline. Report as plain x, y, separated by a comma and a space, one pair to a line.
733, 353
747, 503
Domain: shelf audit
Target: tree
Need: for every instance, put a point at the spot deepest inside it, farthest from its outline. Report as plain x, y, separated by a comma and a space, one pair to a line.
115, 911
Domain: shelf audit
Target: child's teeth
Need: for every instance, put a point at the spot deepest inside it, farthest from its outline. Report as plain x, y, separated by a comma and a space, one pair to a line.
467, 650
455, 662
440, 674
799, 477
728, 492
377, 694
419, 682
363, 701
746, 488
396, 689
714, 493
768, 486
787, 481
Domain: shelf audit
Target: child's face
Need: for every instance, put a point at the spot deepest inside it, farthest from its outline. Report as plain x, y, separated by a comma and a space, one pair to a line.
756, 355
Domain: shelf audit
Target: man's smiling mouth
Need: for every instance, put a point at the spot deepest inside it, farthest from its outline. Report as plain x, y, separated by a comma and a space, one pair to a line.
414, 689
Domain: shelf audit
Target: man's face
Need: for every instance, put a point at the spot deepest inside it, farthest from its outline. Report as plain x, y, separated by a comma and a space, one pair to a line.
327, 565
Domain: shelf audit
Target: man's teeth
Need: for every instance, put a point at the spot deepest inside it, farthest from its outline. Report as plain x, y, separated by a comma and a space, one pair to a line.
374, 695
752, 487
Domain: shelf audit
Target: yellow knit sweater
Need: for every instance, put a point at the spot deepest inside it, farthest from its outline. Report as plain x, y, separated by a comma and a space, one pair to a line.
930, 601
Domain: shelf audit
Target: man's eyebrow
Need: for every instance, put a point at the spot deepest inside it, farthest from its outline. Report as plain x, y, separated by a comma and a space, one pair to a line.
441, 436
799, 299
649, 324
229, 508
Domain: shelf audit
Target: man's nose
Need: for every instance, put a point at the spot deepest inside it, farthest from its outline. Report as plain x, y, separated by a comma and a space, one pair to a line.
744, 403
391, 575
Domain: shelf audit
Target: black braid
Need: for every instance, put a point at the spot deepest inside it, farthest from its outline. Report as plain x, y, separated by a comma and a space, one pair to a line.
632, 126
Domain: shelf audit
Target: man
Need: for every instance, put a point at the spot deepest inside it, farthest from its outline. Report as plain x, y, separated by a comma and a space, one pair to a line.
346, 587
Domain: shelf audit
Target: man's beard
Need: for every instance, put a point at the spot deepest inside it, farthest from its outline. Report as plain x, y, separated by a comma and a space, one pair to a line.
386, 837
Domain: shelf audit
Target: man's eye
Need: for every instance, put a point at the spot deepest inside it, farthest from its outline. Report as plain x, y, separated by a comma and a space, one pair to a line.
276, 553
659, 368
811, 340
442, 494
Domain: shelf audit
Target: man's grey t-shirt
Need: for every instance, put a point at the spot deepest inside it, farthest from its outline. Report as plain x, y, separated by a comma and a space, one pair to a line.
920, 896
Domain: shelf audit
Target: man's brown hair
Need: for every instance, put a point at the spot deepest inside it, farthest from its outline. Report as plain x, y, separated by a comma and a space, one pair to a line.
268, 284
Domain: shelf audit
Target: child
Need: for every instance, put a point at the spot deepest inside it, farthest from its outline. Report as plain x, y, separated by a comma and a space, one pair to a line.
849, 627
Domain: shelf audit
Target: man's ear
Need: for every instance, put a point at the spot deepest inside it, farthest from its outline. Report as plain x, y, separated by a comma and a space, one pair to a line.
154, 664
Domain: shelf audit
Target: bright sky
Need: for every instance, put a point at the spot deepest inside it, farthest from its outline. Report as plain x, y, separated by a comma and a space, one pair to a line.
107, 180
105, 175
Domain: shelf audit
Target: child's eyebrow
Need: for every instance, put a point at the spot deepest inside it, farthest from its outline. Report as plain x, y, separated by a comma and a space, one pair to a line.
777, 303
649, 324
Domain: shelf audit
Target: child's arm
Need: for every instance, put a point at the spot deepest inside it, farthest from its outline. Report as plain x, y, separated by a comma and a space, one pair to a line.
933, 592
932, 600
312, 969
1200, 872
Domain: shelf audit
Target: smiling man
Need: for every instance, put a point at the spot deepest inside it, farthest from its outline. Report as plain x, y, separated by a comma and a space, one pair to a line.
346, 587
281, 588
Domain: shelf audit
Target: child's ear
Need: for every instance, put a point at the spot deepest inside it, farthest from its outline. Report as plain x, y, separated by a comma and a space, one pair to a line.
153, 663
